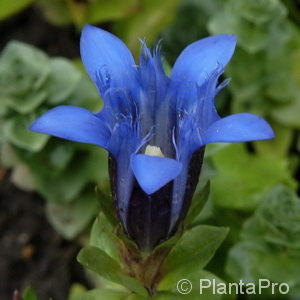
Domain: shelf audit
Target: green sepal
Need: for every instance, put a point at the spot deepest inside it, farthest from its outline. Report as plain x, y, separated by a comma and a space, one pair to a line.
199, 200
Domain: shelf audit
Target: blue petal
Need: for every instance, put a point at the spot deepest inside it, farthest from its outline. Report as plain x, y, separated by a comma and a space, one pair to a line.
238, 128
153, 172
73, 123
104, 54
200, 59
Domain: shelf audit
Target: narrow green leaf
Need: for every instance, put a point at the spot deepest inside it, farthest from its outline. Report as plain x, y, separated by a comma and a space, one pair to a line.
98, 261
103, 237
198, 202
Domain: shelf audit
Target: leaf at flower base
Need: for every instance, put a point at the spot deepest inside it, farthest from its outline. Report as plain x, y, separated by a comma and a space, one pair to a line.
153, 16
29, 294
196, 247
63, 80
199, 199
98, 261
168, 286
107, 206
102, 294
69, 219
16, 131
103, 237
243, 178
8, 7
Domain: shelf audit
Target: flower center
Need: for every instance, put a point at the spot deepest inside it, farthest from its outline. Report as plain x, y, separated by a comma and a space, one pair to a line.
153, 151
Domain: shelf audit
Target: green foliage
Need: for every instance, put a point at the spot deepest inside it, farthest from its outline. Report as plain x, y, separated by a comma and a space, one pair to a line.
112, 256
8, 7
62, 12
132, 19
29, 294
30, 84
270, 242
243, 178
153, 15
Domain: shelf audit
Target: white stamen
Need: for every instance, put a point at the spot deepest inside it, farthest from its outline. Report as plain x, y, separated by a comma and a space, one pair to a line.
153, 151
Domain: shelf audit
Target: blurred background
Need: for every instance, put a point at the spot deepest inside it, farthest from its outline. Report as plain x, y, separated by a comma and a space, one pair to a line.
47, 185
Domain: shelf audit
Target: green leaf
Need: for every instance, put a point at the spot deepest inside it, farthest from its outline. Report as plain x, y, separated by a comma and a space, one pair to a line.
198, 202
29, 294
76, 290
88, 165
243, 178
63, 80
101, 294
55, 11
107, 206
270, 243
16, 131
288, 114
103, 237
98, 261
152, 17
8, 7
197, 246
259, 12
25, 103
278, 147
170, 284
102, 10
69, 219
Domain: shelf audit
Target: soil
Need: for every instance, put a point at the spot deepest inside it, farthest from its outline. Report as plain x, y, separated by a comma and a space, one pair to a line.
31, 251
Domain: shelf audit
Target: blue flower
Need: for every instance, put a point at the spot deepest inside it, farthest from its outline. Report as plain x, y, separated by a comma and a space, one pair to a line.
154, 127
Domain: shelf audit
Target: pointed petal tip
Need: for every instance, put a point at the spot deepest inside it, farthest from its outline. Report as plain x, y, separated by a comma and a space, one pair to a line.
72, 123
199, 59
242, 127
153, 172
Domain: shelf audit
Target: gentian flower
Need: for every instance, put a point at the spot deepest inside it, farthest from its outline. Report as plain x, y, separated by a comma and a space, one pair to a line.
154, 127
